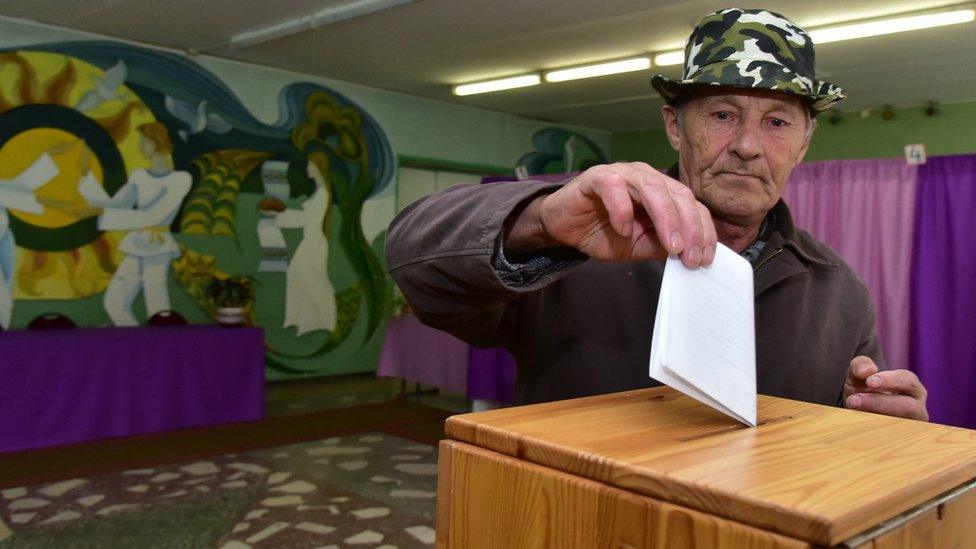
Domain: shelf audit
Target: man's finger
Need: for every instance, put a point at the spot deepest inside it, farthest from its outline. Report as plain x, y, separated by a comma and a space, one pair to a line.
711, 237
889, 405
861, 368
616, 200
694, 231
652, 194
690, 219
642, 167
901, 382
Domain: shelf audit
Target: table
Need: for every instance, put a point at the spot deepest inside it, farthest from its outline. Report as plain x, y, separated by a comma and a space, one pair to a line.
74, 385
419, 353
655, 468
423, 354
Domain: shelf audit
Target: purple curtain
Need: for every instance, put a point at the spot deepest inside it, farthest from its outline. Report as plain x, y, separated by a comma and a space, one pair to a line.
863, 209
944, 288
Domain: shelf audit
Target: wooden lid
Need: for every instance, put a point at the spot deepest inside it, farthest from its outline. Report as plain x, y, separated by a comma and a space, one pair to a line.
816, 473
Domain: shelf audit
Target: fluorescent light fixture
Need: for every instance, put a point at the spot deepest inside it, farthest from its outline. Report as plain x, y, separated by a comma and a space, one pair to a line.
497, 85
822, 35
676, 57
889, 26
599, 69
323, 17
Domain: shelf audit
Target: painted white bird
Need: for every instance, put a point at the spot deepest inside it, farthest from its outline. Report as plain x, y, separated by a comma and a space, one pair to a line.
106, 88
196, 117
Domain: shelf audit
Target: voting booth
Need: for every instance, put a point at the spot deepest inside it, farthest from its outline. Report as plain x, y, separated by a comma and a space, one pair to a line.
655, 468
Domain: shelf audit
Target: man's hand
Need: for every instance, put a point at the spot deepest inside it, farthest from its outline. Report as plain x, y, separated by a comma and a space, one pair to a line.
618, 212
894, 392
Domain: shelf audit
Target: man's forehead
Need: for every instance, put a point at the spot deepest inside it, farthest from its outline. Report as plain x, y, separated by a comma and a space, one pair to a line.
745, 96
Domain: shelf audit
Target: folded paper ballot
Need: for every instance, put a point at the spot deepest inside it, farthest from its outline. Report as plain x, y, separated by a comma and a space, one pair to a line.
704, 341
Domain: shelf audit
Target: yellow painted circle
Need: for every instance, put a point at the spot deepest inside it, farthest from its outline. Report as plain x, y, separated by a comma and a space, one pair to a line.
68, 152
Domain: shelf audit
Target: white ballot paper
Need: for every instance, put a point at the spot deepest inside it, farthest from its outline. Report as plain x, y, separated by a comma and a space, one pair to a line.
704, 341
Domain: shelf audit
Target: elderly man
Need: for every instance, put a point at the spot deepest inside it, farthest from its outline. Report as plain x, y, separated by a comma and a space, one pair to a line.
567, 276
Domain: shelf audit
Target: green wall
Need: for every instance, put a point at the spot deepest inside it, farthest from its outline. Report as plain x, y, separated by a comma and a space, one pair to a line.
649, 146
951, 131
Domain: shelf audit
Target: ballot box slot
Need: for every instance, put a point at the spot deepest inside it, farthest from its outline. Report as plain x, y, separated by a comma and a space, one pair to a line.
731, 427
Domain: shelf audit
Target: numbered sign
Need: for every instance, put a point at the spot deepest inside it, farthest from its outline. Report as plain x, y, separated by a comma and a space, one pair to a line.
915, 154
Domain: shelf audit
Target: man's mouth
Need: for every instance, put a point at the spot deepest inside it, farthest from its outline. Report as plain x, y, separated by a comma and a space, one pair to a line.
738, 174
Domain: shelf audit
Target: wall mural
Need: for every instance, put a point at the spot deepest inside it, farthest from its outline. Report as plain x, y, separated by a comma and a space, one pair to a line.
134, 182
560, 151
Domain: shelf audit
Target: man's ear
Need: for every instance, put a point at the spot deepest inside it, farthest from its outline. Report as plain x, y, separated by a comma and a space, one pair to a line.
806, 144
672, 125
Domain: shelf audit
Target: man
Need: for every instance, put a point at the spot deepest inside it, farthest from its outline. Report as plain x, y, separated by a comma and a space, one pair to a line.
564, 275
145, 206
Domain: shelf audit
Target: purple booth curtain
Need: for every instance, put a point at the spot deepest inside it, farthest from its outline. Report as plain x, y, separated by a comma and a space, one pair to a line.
944, 288
863, 209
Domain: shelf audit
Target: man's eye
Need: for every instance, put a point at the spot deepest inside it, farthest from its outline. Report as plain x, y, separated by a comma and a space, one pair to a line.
722, 115
779, 122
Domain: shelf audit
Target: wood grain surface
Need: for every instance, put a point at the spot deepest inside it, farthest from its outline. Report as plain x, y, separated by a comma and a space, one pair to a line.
810, 472
490, 500
948, 526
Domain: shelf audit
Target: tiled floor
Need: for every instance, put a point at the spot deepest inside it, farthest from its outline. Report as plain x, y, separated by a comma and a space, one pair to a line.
364, 490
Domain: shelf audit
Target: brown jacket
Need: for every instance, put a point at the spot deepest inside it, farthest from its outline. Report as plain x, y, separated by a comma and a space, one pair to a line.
586, 328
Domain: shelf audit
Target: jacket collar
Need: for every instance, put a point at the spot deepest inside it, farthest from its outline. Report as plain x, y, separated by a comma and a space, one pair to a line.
787, 236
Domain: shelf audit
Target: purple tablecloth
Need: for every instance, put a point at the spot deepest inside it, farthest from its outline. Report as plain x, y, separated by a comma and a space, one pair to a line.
422, 354
67, 386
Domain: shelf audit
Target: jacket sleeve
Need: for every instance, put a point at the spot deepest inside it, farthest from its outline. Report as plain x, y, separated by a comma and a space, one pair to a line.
442, 250
868, 344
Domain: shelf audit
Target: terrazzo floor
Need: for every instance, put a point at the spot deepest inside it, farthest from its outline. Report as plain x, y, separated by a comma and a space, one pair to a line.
370, 489
366, 490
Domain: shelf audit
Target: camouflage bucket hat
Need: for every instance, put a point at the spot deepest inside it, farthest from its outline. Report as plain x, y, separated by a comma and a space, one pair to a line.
751, 49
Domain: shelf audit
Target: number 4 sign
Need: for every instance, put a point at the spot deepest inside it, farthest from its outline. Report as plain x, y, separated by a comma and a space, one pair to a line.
915, 154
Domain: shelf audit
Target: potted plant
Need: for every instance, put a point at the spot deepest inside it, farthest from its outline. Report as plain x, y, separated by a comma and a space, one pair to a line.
231, 297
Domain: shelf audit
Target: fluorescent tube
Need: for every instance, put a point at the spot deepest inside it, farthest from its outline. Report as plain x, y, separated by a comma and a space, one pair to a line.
599, 69
889, 26
497, 85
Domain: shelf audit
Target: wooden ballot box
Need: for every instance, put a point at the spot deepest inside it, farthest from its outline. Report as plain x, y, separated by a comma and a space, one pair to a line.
654, 468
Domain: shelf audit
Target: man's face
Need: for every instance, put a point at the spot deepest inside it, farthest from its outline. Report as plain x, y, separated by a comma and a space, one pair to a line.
737, 148
147, 147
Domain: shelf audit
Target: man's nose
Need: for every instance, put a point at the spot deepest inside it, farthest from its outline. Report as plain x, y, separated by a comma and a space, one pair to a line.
746, 143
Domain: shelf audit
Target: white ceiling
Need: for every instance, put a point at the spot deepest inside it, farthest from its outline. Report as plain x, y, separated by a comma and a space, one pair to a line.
424, 47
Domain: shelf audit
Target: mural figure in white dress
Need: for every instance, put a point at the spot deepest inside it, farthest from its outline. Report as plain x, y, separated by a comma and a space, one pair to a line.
18, 194
145, 206
309, 296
